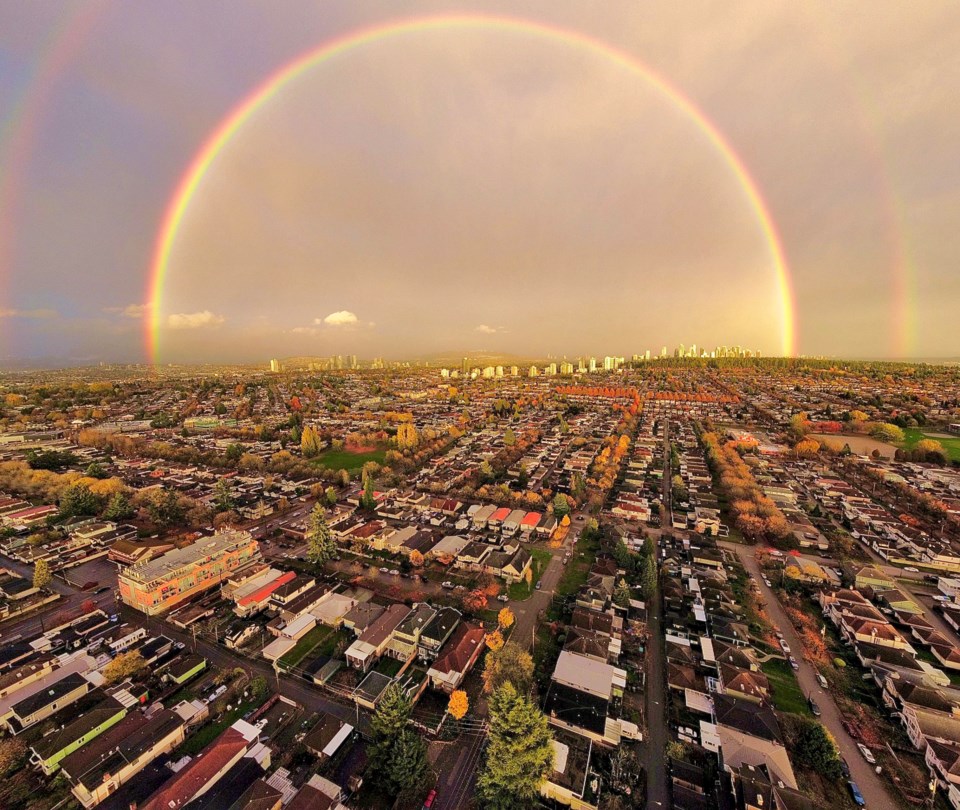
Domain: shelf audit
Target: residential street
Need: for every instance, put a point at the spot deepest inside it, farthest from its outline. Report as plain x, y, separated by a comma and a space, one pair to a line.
658, 787
871, 785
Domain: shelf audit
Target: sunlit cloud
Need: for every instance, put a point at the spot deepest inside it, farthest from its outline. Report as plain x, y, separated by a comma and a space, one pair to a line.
342, 318
194, 320
484, 329
28, 313
305, 330
135, 311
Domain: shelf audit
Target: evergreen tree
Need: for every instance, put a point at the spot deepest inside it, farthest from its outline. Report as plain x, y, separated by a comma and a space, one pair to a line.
331, 495
77, 499
118, 507
398, 756
367, 501
648, 576
321, 543
621, 596
519, 755
561, 506
223, 500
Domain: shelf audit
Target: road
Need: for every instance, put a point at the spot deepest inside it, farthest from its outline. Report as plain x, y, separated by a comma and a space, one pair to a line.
658, 786
871, 785
527, 612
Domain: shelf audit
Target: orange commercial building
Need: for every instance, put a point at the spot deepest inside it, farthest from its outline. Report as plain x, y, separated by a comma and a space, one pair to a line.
156, 585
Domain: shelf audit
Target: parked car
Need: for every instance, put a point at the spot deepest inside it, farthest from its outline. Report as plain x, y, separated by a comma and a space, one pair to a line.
844, 768
822, 681
503, 598
793, 663
428, 802
538, 586
784, 646
911, 569
448, 585
384, 570
814, 707
867, 753
856, 794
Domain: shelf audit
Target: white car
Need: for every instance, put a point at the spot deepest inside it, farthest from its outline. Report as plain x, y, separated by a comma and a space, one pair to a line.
867, 753
784, 646
911, 569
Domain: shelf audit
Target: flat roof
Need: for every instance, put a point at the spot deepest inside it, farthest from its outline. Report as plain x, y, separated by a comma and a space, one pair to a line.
173, 561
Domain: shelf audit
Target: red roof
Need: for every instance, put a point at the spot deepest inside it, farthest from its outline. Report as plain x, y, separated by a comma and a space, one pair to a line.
460, 650
262, 593
184, 786
531, 519
500, 514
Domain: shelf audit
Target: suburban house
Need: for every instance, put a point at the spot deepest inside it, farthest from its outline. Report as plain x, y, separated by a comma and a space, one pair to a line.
457, 657
372, 643
99, 768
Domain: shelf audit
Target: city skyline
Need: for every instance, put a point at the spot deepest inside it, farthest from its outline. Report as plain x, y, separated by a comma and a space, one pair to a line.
464, 179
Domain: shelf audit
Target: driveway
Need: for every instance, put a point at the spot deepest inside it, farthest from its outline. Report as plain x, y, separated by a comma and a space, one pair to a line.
871, 785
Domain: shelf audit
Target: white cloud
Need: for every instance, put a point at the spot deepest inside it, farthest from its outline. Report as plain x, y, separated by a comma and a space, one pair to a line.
194, 320
305, 330
135, 311
489, 330
341, 318
28, 313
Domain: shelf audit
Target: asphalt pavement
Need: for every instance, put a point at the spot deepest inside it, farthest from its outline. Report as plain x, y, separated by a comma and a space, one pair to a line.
872, 787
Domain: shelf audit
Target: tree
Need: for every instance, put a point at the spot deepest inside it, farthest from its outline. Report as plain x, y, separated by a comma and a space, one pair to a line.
41, 574
77, 499
416, 559
509, 438
13, 753
321, 545
367, 500
123, 666
814, 747
510, 664
118, 507
621, 595
561, 506
459, 704
398, 756
505, 618
648, 576
494, 640
309, 442
331, 495
259, 688
519, 755
95, 470
886, 432
223, 498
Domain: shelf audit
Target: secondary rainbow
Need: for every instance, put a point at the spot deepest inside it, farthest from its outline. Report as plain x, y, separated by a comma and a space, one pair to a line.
204, 159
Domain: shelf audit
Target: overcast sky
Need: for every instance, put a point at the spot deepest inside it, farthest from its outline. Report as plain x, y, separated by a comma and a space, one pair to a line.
478, 189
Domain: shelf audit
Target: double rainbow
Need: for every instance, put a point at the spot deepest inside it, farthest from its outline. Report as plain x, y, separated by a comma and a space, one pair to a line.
191, 181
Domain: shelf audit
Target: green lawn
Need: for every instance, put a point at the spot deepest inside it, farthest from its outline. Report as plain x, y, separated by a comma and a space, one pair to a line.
346, 460
304, 645
787, 696
195, 743
951, 445
521, 590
